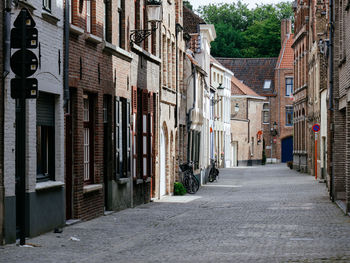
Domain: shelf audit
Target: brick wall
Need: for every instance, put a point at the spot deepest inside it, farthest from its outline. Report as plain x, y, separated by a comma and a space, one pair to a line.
1, 124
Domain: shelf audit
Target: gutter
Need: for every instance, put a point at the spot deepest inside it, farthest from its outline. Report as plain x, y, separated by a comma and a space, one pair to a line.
330, 99
189, 121
66, 95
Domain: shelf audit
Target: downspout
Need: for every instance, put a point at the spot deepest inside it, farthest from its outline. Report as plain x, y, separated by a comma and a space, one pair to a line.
189, 120
66, 95
6, 70
330, 99
178, 28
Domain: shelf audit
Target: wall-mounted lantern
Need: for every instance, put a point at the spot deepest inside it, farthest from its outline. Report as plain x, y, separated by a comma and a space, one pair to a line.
154, 14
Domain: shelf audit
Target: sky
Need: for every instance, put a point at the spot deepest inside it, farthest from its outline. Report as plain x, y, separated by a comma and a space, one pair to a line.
251, 3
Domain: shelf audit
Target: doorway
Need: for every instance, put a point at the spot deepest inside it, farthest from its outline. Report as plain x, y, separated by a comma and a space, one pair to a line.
234, 149
287, 149
162, 183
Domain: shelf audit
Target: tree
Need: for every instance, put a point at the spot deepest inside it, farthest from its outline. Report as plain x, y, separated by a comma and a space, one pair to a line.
244, 32
188, 4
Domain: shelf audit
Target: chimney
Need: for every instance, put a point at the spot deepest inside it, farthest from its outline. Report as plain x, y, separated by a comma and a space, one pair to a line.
286, 29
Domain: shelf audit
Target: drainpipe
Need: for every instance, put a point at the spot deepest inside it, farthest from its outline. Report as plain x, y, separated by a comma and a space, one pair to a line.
330, 100
66, 96
189, 120
178, 28
6, 70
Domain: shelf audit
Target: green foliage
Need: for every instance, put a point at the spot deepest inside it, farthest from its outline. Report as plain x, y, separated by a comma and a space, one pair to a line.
179, 189
244, 32
187, 4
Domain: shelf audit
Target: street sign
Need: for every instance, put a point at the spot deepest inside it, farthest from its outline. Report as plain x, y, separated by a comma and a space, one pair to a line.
31, 40
30, 92
28, 19
26, 57
316, 128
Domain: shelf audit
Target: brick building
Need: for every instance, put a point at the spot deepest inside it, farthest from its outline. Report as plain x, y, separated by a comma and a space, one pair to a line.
317, 86
44, 130
246, 125
259, 75
340, 182
145, 82
302, 135
284, 76
2, 30
172, 55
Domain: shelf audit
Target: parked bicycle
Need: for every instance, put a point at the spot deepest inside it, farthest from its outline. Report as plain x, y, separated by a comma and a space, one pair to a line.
214, 172
189, 181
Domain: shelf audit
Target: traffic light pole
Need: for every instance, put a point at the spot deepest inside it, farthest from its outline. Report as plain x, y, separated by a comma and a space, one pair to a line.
21, 144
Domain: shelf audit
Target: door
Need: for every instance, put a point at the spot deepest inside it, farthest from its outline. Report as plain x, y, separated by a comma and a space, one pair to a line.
287, 149
107, 146
162, 183
234, 154
69, 157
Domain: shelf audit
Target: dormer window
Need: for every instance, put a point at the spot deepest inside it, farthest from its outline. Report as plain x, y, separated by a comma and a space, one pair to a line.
267, 84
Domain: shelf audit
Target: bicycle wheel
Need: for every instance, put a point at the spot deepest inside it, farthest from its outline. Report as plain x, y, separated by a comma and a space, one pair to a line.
211, 175
195, 184
186, 182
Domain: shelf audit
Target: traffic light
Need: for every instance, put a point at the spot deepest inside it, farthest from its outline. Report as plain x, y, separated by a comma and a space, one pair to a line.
24, 62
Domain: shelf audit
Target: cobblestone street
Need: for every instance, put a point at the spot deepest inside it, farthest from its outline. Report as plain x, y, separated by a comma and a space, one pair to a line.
256, 214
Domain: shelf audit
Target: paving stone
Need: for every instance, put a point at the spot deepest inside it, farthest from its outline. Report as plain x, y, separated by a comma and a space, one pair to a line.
276, 215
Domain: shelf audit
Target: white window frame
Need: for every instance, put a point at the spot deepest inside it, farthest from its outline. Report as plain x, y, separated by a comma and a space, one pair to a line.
88, 16
267, 84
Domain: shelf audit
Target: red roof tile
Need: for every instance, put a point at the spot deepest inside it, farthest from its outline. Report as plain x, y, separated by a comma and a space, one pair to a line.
286, 57
239, 88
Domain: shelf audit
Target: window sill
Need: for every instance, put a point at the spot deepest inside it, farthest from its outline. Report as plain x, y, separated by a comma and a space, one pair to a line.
139, 181
150, 56
117, 51
93, 39
123, 180
26, 4
49, 17
92, 188
76, 30
48, 185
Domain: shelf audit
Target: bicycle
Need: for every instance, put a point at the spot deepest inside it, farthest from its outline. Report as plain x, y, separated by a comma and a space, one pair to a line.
189, 181
214, 172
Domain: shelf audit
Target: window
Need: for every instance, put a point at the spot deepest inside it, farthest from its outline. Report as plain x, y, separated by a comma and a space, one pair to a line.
88, 138
122, 137
47, 5
88, 16
121, 16
289, 86
267, 84
70, 11
45, 137
289, 115
266, 113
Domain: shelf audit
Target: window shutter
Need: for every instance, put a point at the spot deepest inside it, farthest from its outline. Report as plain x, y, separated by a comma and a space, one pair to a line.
134, 131
145, 128
151, 131
128, 136
117, 137
45, 109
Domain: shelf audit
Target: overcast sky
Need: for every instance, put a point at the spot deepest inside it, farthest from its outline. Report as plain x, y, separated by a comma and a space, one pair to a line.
251, 3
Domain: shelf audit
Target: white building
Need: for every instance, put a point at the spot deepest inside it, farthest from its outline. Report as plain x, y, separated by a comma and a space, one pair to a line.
221, 82
44, 128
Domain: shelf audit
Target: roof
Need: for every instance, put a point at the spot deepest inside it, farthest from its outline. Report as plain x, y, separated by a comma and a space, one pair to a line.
191, 21
252, 71
286, 56
239, 88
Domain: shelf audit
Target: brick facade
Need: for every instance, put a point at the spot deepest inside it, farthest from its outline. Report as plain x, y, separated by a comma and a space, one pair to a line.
301, 149
2, 28
341, 114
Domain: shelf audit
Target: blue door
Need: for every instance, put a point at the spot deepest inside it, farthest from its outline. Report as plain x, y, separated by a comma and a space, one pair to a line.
287, 149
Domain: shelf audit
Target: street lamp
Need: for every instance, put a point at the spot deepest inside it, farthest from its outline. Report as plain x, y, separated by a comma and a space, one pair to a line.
154, 13
274, 131
220, 87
